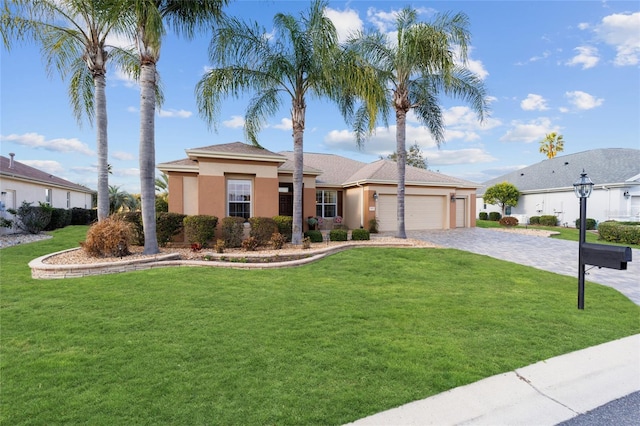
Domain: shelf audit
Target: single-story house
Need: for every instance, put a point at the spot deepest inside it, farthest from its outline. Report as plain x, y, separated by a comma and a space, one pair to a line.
237, 179
546, 188
19, 182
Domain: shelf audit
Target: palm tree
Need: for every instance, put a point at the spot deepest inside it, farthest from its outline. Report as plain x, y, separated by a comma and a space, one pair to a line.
302, 59
121, 200
416, 69
162, 184
73, 38
552, 144
149, 20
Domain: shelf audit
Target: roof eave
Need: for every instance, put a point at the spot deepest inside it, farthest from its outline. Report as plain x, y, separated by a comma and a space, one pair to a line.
198, 153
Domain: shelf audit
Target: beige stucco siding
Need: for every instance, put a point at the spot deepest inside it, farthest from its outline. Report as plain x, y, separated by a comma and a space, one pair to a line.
222, 168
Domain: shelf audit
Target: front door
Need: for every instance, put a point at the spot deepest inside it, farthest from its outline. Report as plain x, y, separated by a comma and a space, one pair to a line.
285, 192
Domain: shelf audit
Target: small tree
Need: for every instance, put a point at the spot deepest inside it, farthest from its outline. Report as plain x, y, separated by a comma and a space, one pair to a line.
502, 194
552, 144
414, 156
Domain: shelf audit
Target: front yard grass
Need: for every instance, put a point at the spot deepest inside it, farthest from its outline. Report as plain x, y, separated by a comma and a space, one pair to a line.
327, 343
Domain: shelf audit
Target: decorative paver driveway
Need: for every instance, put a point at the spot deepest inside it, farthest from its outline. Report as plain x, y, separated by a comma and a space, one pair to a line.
549, 254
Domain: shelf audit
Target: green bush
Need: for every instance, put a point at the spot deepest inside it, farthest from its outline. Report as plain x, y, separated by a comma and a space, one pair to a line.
59, 219
262, 228
32, 219
360, 234
483, 216
589, 222
168, 225
80, 216
162, 205
548, 220
232, 229
619, 233
314, 236
508, 221
534, 220
200, 229
373, 226
338, 235
135, 220
285, 225
494, 216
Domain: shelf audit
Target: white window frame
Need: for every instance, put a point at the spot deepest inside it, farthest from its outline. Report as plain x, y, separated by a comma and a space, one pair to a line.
322, 204
232, 186
68, 199
48, 196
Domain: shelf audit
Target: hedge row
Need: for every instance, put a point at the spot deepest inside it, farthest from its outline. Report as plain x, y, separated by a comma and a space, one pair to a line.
619, 233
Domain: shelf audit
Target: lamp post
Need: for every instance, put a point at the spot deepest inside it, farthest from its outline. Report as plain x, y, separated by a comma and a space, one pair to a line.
582, 187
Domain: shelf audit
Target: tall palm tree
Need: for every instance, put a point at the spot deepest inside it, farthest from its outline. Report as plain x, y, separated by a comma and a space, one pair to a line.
149, 19
416, 68
552, 144
302, 59
73, 35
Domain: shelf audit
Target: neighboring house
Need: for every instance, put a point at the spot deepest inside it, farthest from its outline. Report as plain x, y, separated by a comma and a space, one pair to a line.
19, 182
546, 188
237, 179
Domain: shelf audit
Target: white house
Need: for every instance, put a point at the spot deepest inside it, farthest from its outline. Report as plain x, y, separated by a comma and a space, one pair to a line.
19, 182
546, 188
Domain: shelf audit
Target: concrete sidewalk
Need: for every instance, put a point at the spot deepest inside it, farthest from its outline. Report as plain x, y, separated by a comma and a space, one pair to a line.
545, 393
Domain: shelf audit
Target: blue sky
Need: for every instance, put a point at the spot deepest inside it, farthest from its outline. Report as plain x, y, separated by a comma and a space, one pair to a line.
566, 66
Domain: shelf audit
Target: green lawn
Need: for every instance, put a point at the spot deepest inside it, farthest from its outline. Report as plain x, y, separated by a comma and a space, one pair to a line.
571, 234
327, 343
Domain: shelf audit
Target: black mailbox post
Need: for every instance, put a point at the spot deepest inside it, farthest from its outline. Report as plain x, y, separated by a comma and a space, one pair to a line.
604, 256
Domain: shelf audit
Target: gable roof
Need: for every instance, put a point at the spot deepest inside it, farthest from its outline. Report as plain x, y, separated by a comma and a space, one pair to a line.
606, 166
236, 151
334, 169
21, 171
386, 171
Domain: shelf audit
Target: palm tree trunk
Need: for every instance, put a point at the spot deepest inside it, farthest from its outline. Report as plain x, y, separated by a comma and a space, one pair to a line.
102, 146
298, 113
148, 155
401, 123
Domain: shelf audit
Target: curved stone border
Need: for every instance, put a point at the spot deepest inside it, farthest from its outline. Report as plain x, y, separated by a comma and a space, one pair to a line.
41, 270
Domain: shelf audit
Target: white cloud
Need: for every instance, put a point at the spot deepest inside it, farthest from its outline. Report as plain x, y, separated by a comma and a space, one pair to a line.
124, 156
474, 65
346, 22
34, 140
126, 172
582, 100
587, 57
443, 157
534, 102
235, 122
285, 124
174, 113
621, 31
120, 76
528, 132
132, 109
383, 21
48, 166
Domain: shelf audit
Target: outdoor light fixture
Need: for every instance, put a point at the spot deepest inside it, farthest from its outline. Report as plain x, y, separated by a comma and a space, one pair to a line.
453, 198
375, 195
582, 188
626, 194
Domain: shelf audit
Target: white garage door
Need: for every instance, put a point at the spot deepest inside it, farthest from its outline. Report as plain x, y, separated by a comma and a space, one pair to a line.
420, 212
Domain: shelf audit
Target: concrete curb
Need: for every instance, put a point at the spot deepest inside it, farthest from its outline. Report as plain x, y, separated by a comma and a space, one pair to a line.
545, 393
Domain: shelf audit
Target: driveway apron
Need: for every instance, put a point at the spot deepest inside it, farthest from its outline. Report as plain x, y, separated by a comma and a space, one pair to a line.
549, 254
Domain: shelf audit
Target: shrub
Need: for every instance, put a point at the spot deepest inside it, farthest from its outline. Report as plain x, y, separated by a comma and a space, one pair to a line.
32, 219
250, 244
59, 219
135, 220
373, 226
200, 228
548, 220
306, 243
262, 228
508, 221
162, 205
285, 225
494, 216
338, 235
108, 238
589, 222
314, 236
278, 240
5, 223
220, 246
360, 234
483, 216
231, 230
80, 216
534, 220
168, 225
619, 233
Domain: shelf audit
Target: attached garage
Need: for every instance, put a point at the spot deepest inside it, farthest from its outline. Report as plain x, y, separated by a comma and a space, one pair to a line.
420, 212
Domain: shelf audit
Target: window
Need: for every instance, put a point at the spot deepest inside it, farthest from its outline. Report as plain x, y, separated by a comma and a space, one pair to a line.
68, 199
47, 196
326, 203
239, 197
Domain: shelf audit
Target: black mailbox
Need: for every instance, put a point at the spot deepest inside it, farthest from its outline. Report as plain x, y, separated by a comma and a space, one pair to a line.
605, 256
